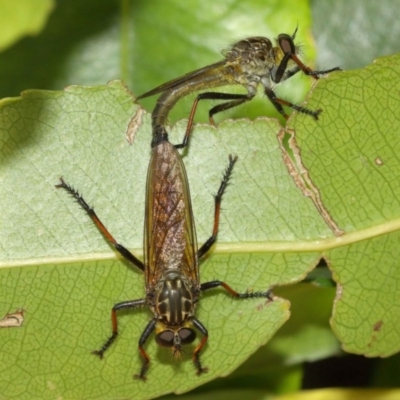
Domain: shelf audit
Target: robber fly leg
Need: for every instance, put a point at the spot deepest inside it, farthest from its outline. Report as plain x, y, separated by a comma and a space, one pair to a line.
89, 210
114, 322
196, 353
146, 359
277, 102
218, 198
236, 99
247, 295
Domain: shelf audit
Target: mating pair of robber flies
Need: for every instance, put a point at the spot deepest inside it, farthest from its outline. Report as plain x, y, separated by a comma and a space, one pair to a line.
171, 254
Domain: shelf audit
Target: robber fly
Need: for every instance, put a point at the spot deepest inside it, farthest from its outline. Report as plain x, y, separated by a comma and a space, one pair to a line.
171, 256
249, 62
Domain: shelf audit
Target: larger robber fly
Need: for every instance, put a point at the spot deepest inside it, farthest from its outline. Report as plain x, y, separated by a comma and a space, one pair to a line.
171, 257
249, 62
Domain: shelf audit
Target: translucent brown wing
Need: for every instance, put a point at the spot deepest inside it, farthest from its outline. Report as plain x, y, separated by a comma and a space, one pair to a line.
170, 236
212, 71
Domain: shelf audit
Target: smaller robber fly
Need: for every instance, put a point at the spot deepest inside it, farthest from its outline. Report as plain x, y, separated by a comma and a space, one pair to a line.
171, 256
249, 62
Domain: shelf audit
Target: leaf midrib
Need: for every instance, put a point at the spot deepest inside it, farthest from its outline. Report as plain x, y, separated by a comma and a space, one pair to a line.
304, 246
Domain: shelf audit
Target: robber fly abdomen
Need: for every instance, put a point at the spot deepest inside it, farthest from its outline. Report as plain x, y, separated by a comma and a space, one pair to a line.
171, 257
249, 63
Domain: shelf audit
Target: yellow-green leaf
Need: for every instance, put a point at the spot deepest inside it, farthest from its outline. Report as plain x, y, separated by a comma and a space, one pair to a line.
57, 267
22, 17
352, 156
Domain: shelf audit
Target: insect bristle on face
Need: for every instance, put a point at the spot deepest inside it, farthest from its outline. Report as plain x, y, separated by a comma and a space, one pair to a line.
171, 257
249, 62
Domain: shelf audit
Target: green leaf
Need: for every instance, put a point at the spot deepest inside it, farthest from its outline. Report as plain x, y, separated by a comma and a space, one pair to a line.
48, 134
352, 156
20, 18
57, 267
